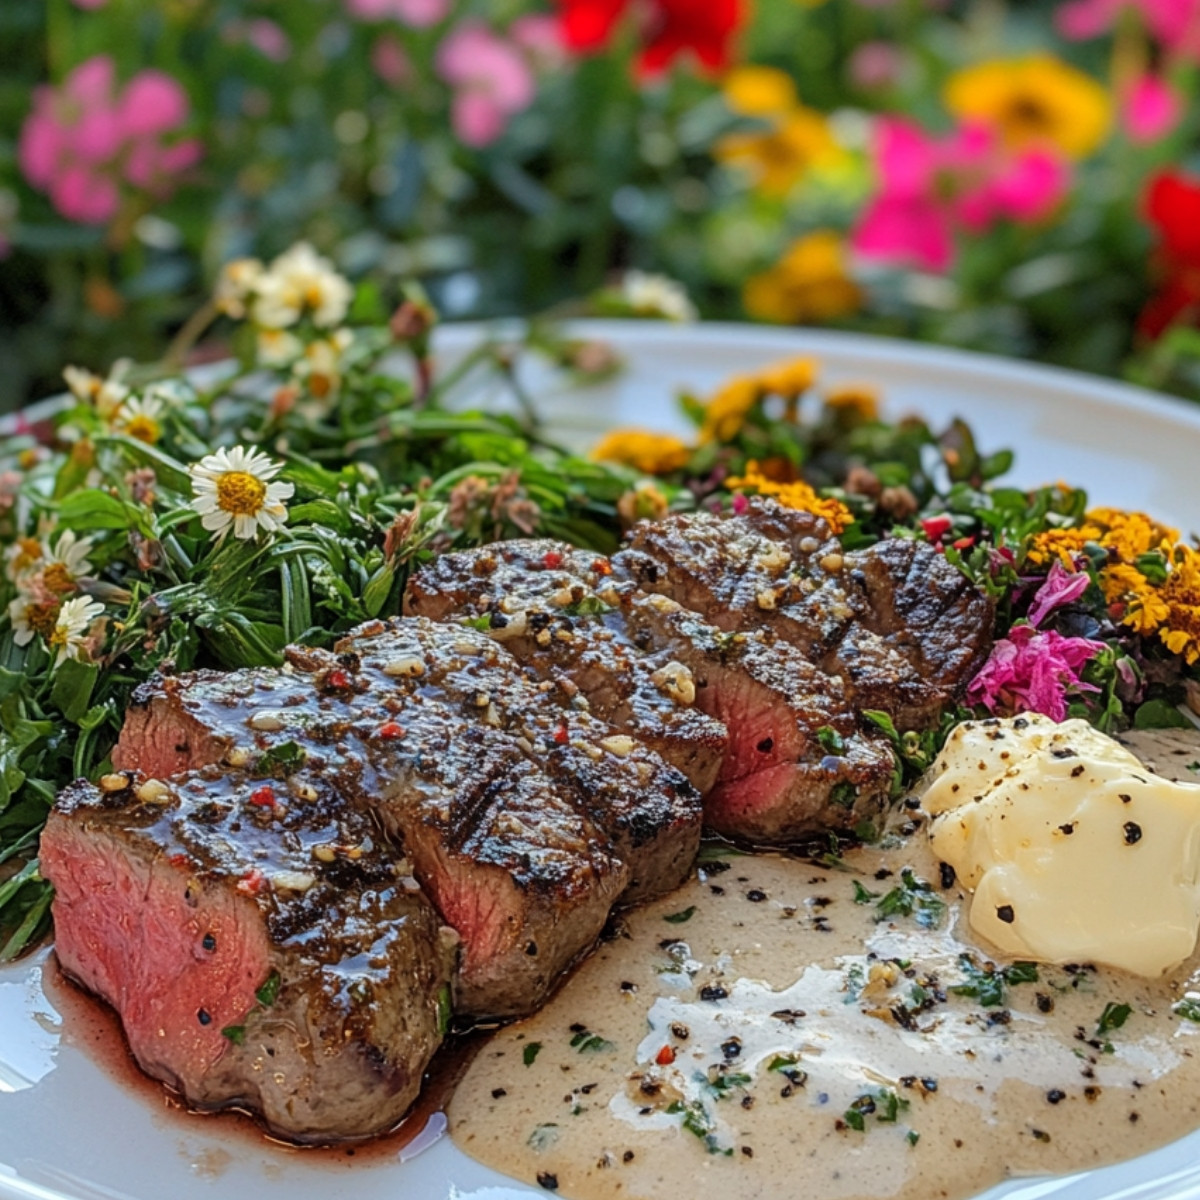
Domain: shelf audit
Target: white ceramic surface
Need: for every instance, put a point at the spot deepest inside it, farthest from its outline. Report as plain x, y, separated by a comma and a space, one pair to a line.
71, 1130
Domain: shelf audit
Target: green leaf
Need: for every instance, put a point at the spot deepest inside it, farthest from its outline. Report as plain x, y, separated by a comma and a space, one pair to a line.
530, 1053
1159, 714
235, 1033
882, 721
378, 588
93, 509
862, 896
914, 898
1188, 1008
74, 683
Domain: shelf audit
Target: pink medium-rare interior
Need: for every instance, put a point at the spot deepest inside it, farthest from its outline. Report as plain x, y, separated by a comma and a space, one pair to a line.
180, 961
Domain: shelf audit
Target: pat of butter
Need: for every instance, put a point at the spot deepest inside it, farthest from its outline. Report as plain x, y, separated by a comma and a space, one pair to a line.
1074, 850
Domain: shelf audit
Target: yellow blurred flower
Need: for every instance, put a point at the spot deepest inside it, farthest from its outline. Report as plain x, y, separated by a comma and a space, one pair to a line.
810, 282
1039, 100
727, 411
650, 453
794, 494
752, 91
857, 400
1132, 533
790, 379
777, 158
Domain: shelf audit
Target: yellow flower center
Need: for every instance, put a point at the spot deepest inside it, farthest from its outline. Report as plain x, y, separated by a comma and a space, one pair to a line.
240, 493
42, 618
145, 429
1029, 117
30, 552
58, 579
314, 295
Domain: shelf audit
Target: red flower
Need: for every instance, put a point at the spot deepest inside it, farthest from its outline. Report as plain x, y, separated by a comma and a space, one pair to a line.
1173, 206
668, 28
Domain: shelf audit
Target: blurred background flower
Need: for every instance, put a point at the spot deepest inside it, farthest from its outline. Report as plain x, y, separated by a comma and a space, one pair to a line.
1016, 176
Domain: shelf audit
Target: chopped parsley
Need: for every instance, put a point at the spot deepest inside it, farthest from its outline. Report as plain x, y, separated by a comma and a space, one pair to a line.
1188, 1008
586, 1042
235, 1033
1113, 1017
268, 993
680, 917
280, 761
696, 1121
883, 1104
722, 1084
862, 896
831, 741
914, 898
989, 983
530, 1053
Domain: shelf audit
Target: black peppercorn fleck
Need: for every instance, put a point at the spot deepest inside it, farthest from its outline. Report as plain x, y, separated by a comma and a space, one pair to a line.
1133, 833
1056, 1096
209, 942
1005, 913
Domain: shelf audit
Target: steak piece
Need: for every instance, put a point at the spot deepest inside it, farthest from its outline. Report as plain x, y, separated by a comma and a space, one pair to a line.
648, 809
562, 611
523, 822
261, 950
516, 587
903, 629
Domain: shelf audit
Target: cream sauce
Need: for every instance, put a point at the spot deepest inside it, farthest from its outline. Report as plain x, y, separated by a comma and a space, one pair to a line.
734, 1035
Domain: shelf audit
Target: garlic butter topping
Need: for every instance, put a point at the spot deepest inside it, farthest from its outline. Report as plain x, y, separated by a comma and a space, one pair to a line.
1075, 852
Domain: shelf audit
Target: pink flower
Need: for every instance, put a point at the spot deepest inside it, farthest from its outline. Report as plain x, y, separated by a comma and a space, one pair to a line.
391, 61
1032, 671
491, 79
1151, 109
419, 14
540, 36
934, 188
1061, 587
82, 140
876, 65
1174, 23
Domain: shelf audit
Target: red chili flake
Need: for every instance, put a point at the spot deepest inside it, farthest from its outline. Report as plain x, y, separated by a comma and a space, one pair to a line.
252, 882
665, 1057
263, 797
936, 528
964, 543
561, 736
602, 566
390, 730
337, 678
552, 559
178, 860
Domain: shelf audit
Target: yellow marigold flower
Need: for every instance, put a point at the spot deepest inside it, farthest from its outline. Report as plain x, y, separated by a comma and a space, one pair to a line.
790, 379
779, 157
810, 283
796, 494
1132, 533
1180, 631
650, 453
1064, 544
859, 400
752, 91
728, 409
1039, 100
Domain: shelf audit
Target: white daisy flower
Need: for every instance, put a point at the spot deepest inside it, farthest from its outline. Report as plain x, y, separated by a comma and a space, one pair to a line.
22, 557
657, 296
278, 348
105, 395
66, 562
68, 638
30, 615
321, 368
300, 281
140, 417
236, 286
233, 490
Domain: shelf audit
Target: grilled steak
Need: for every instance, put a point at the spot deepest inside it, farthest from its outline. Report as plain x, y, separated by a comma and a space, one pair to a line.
902, 628
524, 590
523, 820
261, 949
793, 761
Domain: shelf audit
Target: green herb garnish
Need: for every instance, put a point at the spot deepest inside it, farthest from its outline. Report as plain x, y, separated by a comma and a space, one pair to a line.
914, 898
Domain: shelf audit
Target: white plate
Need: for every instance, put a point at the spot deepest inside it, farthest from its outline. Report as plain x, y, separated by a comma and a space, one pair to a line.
70, 1130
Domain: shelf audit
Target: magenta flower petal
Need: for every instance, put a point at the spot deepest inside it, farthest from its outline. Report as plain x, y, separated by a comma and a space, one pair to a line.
1061, 587
153, 103
1151, 110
